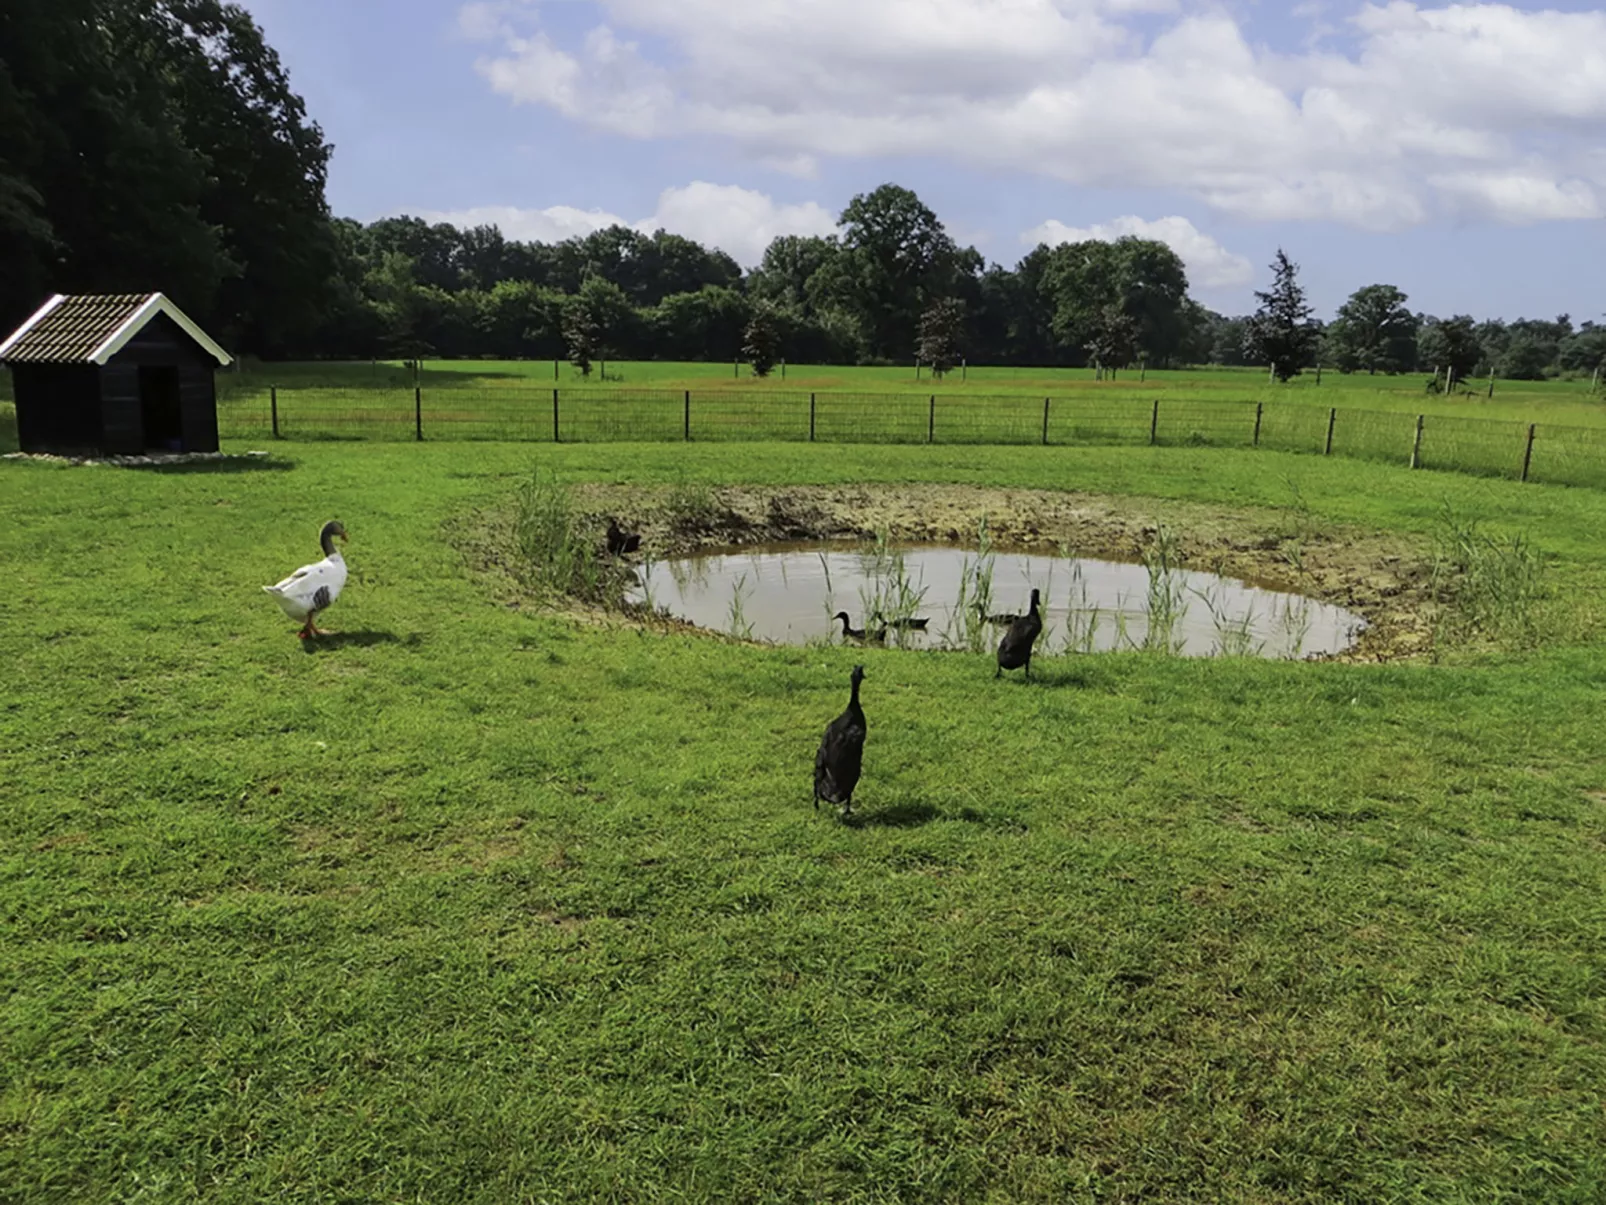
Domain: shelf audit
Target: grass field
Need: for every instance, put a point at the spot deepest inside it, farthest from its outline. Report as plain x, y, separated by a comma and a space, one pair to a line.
481, 903
1565, 402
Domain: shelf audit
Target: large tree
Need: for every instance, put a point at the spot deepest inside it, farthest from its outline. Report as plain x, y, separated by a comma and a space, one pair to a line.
1143, 278
1281, 332
899, 260
1450, 344
156, 144
1374, 330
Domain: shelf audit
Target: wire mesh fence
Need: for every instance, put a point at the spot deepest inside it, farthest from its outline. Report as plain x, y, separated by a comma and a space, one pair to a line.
1529, 452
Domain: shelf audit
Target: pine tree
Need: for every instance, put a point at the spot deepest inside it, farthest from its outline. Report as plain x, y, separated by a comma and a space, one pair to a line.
941, 327
761, 343
580, 335
1281, 332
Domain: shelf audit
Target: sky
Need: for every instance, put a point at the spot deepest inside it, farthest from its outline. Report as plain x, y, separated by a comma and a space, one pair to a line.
1456, 151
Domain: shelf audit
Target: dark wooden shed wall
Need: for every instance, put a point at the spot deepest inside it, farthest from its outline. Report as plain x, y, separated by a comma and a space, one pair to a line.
162, 342
82, 407
58, 407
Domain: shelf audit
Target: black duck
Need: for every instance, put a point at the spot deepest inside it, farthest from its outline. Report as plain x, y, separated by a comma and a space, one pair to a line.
621, 541
1015, 649
841, 754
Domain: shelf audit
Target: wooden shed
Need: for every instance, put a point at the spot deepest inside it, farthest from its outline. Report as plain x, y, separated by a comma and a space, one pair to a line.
123, 374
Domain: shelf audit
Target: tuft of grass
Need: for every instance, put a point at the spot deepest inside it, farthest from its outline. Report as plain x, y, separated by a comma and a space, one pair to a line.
1490, 587
560, 556
691, 505
1162, 558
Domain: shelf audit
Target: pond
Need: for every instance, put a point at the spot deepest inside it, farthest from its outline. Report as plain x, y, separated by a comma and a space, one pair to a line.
788, 593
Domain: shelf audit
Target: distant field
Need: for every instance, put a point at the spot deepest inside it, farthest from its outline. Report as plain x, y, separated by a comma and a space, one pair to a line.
1564, 402
1551, 431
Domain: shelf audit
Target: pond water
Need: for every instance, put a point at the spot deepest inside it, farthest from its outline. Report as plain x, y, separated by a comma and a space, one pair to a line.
788, 593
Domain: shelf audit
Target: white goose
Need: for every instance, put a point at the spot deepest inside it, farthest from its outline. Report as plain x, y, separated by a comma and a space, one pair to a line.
314, 588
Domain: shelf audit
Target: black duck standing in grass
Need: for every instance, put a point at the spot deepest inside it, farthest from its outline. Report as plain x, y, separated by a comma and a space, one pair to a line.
621, 541
841, 755
1015, 649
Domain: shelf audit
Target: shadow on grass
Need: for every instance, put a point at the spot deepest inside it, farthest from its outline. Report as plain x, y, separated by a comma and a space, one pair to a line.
1051, 675
897, 815
255, 464
362, 639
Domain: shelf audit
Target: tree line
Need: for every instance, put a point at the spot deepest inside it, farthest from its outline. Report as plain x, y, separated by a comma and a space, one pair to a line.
157, 144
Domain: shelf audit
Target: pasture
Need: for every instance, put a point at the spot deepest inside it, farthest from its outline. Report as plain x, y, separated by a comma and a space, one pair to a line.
487, 898
1563, 402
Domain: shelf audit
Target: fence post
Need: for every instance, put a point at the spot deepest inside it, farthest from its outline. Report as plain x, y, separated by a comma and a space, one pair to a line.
1154, 422
418, 413
554, 416
931, 421
1416, 445
1491, 382
963, 369
554, 371
273, 405
736, 370
811, 418
1045, 422
1528, 452
686, 426
1332, 417
1259, 407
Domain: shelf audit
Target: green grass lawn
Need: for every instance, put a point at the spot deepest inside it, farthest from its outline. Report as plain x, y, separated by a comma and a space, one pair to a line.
482, 903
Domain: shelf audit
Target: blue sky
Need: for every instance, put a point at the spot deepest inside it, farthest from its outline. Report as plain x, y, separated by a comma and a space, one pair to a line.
1458, 152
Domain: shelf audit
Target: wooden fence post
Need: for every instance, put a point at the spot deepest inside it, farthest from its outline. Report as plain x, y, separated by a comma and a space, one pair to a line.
1491, 382
811, 418
1332, 417
931, 421
687, 421
273, 405
1259, 406
1045, 422
1318, 374
1416, 445
554, 371
418, 413
1154, 422
964, 368
1528, 451
555, 416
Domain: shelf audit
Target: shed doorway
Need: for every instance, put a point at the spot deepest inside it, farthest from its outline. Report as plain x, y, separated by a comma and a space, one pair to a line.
160, 414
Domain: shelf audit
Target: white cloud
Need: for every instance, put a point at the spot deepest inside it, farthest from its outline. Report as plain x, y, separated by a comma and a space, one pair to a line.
1209, 264
1463, 109
739, 221
549, 225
